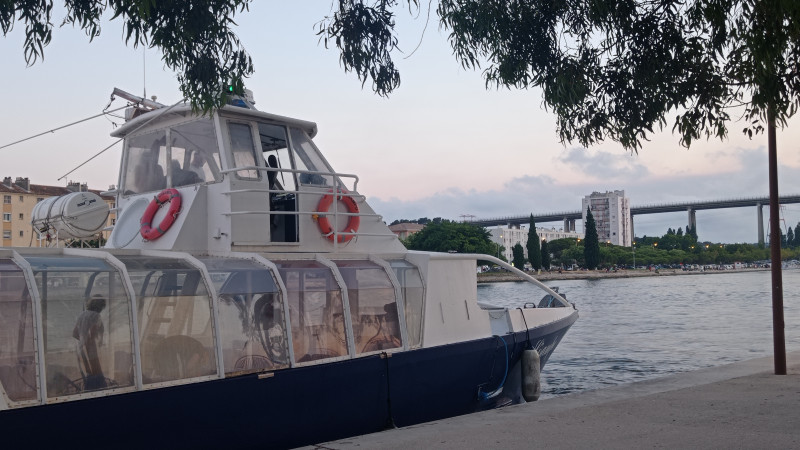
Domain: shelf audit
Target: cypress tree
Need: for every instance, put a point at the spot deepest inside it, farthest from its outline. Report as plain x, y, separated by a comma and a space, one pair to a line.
518, 256
534, 251
545, 256
790, 238
797, 235
591, 244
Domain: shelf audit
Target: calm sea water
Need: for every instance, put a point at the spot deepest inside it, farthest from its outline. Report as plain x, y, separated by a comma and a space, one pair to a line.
632, 329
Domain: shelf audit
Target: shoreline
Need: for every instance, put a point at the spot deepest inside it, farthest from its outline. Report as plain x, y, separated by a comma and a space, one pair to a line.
499, 277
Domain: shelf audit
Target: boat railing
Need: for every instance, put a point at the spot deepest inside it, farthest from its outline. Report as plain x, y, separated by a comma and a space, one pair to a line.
338, 187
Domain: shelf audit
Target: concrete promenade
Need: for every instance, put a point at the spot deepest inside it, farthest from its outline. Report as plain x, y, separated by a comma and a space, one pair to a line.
737, 406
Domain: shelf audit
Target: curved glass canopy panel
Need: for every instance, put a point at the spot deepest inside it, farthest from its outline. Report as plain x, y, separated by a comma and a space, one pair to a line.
251, 320
86, 324
315, 309
373, 307
17, 347
413, 297
174, 315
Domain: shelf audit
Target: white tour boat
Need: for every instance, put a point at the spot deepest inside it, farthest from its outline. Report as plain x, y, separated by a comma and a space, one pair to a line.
247, 296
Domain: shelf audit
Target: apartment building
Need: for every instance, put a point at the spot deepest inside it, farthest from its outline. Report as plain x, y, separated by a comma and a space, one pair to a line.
510, 235
612, 216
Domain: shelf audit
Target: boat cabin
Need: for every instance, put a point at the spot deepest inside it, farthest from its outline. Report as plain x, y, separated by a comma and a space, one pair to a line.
247, 180
82, 323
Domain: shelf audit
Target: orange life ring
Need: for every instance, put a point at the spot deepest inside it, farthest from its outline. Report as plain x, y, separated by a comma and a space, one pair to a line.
171, 196
325, 225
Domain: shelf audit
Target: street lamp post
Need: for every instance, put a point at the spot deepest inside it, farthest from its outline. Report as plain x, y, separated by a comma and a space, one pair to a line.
634, 255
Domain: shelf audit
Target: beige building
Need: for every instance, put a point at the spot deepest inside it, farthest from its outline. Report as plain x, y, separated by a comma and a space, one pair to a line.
19, 199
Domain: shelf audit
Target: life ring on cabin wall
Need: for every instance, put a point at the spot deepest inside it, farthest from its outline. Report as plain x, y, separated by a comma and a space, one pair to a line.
171, 196
325, 225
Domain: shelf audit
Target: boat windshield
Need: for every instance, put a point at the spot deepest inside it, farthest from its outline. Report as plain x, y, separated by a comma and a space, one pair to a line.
181, 155
174, 317
87, 334
17, 351
315, 309
251, 316
413, 298
373, 307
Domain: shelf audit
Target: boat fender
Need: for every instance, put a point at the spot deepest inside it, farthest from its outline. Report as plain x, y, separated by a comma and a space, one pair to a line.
325, 225
171, 196
531, 383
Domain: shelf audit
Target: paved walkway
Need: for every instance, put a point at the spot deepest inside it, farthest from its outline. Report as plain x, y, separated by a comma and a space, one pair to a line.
741, 405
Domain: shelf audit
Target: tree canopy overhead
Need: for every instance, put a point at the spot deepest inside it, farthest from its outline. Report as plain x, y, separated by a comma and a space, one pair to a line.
195, 37
609, 69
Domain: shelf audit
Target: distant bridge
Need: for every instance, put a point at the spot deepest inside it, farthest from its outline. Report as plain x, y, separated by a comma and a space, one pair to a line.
569, 217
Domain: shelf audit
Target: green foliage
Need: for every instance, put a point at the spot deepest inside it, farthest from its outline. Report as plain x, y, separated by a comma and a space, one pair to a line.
796, 242
518, 256
608, 69
447, 236
364, 35
421, 221
98, 242
591, 245
545, 256
195, 37
533, 247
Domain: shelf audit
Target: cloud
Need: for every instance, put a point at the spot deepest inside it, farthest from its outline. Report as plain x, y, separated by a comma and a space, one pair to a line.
603, 165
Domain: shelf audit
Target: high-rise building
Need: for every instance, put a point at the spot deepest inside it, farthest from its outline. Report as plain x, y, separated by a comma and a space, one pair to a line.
612, 216
19, 199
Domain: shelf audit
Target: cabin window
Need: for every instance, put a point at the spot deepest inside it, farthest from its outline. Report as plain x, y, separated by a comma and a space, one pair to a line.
87, 326
194, 153
373, 307
252, 324
243, 150
145, 162
315, 310
17, 350
307, 157
411, 289
174, 317
275, 151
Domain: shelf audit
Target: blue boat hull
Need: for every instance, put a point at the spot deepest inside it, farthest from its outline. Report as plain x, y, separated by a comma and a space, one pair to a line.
295, 407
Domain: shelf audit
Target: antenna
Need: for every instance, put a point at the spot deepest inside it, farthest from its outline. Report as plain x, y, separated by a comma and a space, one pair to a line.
144, 72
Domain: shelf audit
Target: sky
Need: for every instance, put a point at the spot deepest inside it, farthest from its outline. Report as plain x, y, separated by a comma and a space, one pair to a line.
442, 145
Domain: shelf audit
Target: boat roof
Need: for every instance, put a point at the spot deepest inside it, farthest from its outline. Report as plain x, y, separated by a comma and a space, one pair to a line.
185, 109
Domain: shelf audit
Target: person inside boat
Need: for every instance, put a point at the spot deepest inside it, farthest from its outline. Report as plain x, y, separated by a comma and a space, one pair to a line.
272, 175
89, 333
196, 166
148, 174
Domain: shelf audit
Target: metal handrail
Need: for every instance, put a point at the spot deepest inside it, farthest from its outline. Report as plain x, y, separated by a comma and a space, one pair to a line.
338, 189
